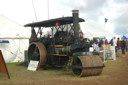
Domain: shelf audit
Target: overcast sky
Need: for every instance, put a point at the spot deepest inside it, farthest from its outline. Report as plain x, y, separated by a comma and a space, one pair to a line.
21, 11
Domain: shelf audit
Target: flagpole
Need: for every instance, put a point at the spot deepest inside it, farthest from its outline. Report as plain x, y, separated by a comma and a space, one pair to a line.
34, 10
104, 23
48, 8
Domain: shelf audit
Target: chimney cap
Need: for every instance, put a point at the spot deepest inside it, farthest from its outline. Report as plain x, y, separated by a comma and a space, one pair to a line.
75, 11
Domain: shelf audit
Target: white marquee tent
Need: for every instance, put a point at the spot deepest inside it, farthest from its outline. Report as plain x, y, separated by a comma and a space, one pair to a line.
91, 29
18, 38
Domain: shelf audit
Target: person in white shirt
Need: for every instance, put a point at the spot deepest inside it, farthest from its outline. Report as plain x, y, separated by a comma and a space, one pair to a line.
115, 46
96, 47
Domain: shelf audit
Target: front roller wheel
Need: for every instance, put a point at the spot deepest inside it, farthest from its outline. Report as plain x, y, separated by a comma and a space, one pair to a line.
87, 65
37, 52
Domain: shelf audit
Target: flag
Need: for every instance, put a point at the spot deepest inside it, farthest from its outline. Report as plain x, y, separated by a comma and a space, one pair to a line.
106, 20
57, 24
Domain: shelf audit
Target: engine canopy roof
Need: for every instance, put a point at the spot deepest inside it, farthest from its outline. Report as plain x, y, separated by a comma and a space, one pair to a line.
52, 22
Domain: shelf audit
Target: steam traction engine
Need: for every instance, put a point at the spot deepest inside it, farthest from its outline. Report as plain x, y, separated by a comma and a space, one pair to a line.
62, 45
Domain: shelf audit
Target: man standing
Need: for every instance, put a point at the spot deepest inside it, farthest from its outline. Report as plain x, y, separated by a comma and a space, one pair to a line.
123, 45
118, 46
126, 45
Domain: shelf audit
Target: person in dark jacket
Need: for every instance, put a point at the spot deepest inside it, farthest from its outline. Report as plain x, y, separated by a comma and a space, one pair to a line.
101, 43
111, 42
123, 45
118, 46
126, 45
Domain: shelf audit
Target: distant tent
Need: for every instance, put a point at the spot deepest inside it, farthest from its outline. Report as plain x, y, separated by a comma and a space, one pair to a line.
91, 30
13, 40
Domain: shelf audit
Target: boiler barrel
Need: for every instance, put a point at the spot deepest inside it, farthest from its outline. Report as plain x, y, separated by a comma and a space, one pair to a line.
62, 50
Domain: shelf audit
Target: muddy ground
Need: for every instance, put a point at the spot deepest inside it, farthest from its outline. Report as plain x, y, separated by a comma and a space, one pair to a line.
115, 73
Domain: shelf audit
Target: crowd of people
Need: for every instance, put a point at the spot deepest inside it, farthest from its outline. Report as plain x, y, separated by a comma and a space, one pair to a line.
120, 44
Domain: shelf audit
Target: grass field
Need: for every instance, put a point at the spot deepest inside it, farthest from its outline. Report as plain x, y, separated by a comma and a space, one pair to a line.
115, 73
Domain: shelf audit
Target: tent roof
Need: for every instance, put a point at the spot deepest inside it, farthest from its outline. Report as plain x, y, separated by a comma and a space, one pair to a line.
92, 29
9, 29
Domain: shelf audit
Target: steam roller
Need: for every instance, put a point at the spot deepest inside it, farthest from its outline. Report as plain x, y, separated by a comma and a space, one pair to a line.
64, 47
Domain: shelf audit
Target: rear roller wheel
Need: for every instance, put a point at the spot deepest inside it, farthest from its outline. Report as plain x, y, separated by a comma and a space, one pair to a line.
37, 52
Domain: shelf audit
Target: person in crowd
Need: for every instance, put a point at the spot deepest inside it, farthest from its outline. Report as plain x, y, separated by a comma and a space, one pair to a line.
95, 41
114, 42
95, 45
111, 42
101, 43
126, 45
118, 46
123, 45
106, 42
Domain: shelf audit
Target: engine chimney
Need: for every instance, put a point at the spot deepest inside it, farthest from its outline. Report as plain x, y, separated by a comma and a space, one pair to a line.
75, 24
